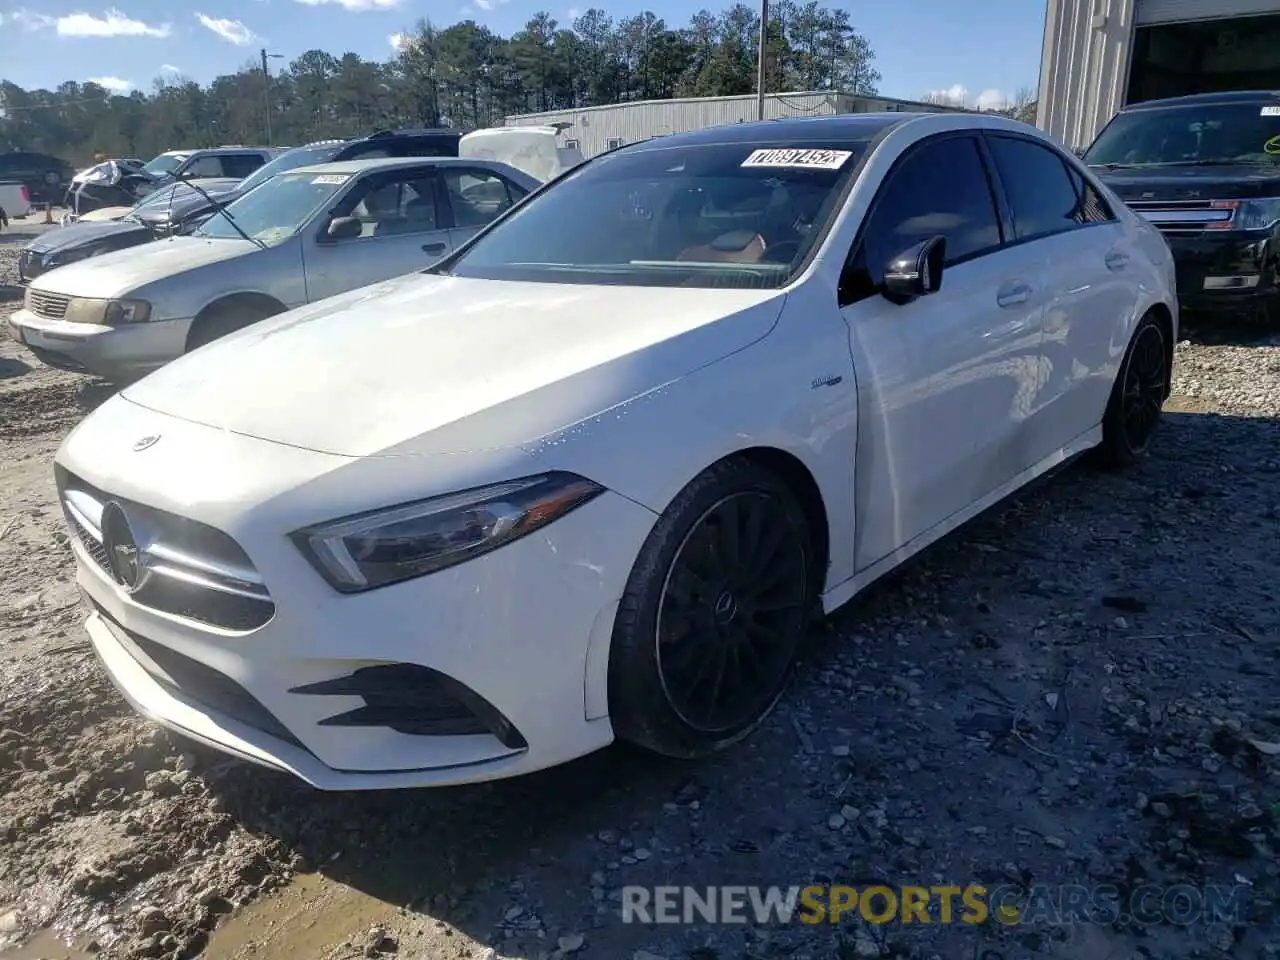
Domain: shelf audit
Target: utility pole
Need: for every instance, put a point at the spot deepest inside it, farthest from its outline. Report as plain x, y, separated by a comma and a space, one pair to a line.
266, 87
760, 59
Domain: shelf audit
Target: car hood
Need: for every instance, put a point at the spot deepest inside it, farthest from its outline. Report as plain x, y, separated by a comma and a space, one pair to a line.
75, 234
427, 364
123, 271
1236, 182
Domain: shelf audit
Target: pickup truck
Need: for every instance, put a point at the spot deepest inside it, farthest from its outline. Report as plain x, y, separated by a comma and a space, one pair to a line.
15, 201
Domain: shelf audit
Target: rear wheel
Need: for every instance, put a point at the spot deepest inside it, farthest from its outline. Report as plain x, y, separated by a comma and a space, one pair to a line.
219, 320
714, 612
1134, 410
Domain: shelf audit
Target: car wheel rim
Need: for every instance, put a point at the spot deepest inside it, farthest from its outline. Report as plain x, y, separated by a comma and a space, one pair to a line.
732, 612
1144, 389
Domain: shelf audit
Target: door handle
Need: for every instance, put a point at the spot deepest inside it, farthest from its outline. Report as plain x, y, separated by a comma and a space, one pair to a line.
434, 247
1013, 294
1117, 260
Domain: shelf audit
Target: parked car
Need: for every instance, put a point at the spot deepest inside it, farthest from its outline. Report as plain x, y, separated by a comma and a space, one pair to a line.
15, 200
303, 235
1205, 169
45, 176
591, 476
116, 183
172, 209
398, 143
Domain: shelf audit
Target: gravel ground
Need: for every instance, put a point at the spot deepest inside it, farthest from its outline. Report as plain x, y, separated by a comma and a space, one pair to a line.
1077, 689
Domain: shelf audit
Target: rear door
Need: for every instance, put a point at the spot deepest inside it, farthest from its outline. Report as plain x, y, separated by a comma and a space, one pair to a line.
402, 231
1070, 229
476, 196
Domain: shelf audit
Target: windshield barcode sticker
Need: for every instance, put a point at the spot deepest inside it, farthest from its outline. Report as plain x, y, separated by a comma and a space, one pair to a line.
331, 178
814, 159
1271, 111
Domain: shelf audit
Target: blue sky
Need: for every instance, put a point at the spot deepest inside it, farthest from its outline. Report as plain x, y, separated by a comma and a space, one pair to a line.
984, 52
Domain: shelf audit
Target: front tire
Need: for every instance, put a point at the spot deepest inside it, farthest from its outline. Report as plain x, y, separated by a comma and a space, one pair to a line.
714, 612
1137, 398
220, 321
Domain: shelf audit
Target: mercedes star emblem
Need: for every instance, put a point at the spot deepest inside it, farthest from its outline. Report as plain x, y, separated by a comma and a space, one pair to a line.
143, 442
123, 556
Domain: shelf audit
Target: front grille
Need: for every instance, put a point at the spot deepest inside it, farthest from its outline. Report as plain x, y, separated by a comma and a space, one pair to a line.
1184, 216
185, 568
203, 684
51, 306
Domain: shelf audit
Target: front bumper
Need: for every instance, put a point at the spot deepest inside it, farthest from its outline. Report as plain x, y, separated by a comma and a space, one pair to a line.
520, 627
1227, 273
118, 354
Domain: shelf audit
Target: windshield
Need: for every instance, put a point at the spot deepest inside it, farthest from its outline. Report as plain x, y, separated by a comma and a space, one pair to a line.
1218, 133
291, 160
278, 209
165, 163
705, 215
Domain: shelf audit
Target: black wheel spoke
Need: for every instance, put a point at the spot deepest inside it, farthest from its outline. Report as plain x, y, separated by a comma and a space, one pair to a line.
1145, 382
733, 611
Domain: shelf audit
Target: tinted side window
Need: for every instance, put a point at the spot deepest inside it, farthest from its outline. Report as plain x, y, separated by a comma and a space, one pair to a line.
940, 189
1093, 209
240, 165
477, 196
206, 166
1035, 179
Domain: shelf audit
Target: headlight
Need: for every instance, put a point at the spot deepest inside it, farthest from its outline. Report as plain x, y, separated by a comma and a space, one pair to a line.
386, 546
1260, 213
107, 312
60, 258
126, 311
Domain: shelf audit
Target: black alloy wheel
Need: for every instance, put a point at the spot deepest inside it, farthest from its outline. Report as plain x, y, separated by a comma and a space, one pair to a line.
732, 612
1145, 389
717, 605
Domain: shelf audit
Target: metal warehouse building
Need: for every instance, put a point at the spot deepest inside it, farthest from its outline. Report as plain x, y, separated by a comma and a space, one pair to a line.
596, 129
1102, 54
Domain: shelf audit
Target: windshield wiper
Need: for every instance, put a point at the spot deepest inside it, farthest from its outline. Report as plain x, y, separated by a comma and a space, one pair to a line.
1201, 163
218, 208
1118, 166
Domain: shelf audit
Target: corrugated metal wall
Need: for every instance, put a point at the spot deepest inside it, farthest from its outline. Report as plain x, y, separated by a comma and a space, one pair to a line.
1084, 67
1181, 11
601, 128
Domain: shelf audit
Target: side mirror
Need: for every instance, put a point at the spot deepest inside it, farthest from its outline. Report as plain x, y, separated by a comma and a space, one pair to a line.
343, 228
916, 272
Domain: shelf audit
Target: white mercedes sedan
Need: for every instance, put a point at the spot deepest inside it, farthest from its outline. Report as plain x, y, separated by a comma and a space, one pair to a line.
593, 475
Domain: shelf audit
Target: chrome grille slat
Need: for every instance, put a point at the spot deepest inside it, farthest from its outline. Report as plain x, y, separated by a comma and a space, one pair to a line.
1182, 216
51, 306
195, 578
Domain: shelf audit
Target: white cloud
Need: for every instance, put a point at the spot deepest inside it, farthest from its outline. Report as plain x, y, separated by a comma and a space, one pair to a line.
991, 99
355, 6
232, 31
113, 23
958, 95
169, 68
114, 84
399, 42
29, 20
572, 14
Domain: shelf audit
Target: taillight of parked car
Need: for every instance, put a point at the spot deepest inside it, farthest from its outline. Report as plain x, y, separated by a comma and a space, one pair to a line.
26, 194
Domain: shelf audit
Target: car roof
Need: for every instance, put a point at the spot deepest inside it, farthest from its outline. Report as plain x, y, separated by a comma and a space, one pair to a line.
1246, 97
352, 167
443, 133
849, 126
